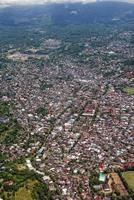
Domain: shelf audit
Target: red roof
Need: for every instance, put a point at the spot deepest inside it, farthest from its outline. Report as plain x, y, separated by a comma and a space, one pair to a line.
97, 198
88, 110
129, 164
101, 167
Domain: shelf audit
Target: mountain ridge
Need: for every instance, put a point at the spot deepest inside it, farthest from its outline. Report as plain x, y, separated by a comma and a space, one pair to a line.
63, 14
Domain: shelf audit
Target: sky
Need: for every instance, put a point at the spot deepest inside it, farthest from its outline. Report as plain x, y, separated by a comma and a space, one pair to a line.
43, 1
35, 1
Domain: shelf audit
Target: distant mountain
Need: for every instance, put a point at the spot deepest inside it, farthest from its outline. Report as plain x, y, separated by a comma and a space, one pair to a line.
63, 14
100, 12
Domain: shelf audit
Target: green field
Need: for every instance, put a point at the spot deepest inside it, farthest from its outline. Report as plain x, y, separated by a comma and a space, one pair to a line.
25, 193
129, 90
129, 178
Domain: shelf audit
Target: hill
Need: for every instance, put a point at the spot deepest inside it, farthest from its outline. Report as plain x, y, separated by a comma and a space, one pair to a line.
63, 14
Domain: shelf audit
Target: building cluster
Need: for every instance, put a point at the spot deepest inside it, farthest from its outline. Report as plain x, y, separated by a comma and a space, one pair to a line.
88, 119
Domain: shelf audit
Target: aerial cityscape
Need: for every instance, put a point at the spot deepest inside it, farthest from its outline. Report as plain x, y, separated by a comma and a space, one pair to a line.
67, 101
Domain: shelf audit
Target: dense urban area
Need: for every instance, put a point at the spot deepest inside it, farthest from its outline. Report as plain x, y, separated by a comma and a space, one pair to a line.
67, 111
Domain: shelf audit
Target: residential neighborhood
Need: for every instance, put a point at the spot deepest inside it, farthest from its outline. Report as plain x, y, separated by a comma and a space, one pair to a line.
67, 120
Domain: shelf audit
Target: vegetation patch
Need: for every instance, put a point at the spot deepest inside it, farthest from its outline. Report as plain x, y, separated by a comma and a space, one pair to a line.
21, 167
46, 85
4, 109
9, 131
129, 178
42, 111
18, 183
25, 192
129, 90
9, 127
41, 192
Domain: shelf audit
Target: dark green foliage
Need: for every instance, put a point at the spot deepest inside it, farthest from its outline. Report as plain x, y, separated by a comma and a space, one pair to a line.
42, 111
9, 131
9, 127
4, 109
46, 85
41, 192
94, 180
129, 62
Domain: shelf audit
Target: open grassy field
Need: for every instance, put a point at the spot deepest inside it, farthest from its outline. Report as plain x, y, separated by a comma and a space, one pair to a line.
129, 177
25, 192
129, 90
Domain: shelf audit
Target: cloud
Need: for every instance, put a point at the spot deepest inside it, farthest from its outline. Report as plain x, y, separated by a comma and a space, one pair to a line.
40, 1
45, 1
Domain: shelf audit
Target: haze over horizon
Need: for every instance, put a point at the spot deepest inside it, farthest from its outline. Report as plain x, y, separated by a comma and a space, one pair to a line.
51, 1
